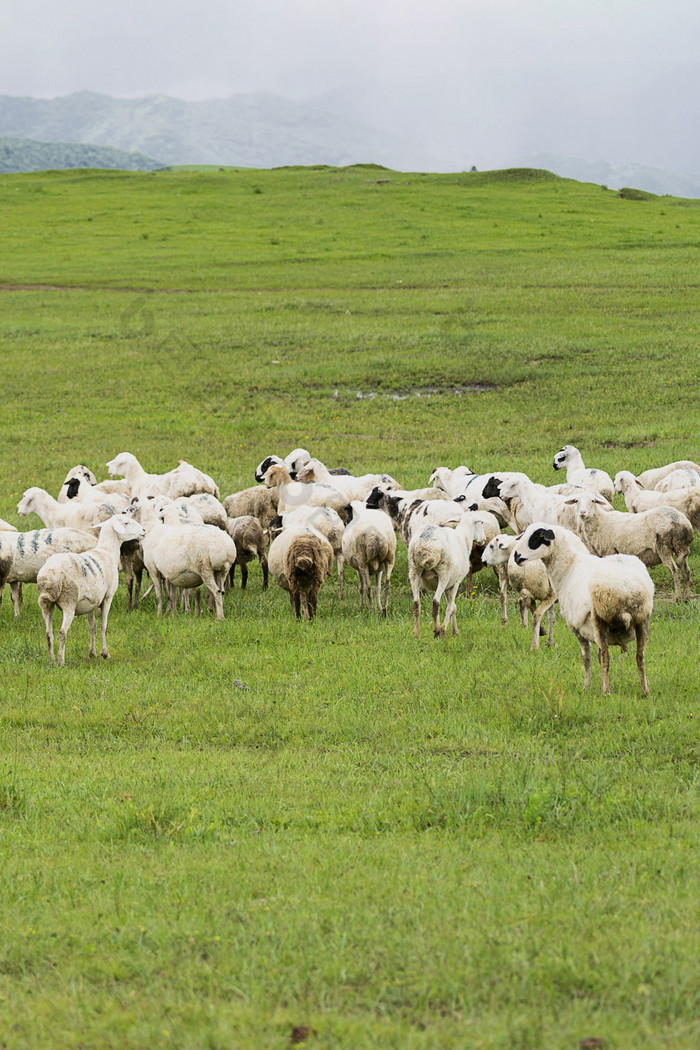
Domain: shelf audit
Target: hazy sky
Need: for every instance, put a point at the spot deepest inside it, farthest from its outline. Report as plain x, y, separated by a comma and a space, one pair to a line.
509, 76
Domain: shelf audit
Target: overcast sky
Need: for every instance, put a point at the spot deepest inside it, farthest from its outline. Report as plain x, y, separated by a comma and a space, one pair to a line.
587, 77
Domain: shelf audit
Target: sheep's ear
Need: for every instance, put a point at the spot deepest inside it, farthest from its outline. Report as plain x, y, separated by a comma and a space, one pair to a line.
569, 502
540, 538
473, 506
349, 511
460, 499
73, 488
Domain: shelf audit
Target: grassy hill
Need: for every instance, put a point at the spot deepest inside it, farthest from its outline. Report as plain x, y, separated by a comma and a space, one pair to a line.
237, 833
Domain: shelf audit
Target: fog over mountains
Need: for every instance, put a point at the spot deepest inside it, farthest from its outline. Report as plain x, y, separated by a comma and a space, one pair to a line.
267, 130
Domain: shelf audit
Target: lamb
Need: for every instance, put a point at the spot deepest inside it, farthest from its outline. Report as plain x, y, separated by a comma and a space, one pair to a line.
637, 499
678, 479
577, 473
369, 546
186, 556
81, 583
29, 551
72, 515
326, 521
608, 600
438, 560
531, 583
307, 562
248, 535
81, 484
649, 479
182, 480
408, 514
259, 501
355, 488
654, 536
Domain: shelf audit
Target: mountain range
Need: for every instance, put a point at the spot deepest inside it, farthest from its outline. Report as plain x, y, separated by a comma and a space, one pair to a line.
87, 129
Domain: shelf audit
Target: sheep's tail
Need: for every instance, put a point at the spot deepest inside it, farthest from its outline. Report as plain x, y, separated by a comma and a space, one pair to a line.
376, 550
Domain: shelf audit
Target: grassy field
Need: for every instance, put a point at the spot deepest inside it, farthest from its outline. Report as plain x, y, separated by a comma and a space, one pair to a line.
233, 831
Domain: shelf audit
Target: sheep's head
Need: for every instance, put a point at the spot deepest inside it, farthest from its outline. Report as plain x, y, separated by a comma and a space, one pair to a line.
265, 465
536, 542
624, 479
492, 488
497, 551
562, 458
27, 505
275, 475
119, 466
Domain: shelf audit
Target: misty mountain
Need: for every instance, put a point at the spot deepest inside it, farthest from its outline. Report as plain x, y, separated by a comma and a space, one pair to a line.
29, 155
258, 130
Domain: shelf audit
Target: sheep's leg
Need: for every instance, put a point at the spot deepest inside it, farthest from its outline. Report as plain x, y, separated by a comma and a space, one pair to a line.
68, 616
47, 608
378, 587
312, 601
265, 569
667, 559
502, 576
16, 592
363, 581
586, 654
551, 618
158, 588
438, 628
542, 608
244, 575
524, 606
138, 577
232, 575
340, 562
93, 633
387, 578
641, 631
296, 601
216, 592
601, 637
451, 610
104, 617
685, 573
415, 588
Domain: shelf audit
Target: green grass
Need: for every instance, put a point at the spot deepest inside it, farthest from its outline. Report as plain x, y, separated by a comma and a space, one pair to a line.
230, 830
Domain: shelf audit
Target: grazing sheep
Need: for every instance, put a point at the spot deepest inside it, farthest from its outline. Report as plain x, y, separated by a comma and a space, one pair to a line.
182, 480
654, 536
408, 514
571, 460
355, 488
72, 515
637, 499
369, 546
259, 501
307, 562
249, 536
603, 600
438, 560
678, 479
185, 556
326, 521
531, 583
649, 479
81, 583
29, 551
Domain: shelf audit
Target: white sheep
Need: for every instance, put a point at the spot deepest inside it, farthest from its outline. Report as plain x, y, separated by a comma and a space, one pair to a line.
297, 494
608, 601
531, 583
81, 583
637, 499
678, 479
71, 515
182, 480
369, 546
81, 484
185, 556
571, 460
536, 502
655, 536
438, 560
354, 488
649, 479
451, 481
29, 551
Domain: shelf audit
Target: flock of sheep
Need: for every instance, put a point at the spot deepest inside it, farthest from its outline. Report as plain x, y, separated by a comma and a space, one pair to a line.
566, 542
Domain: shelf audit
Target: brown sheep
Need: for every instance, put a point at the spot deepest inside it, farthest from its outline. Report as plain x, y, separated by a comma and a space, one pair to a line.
309, 559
